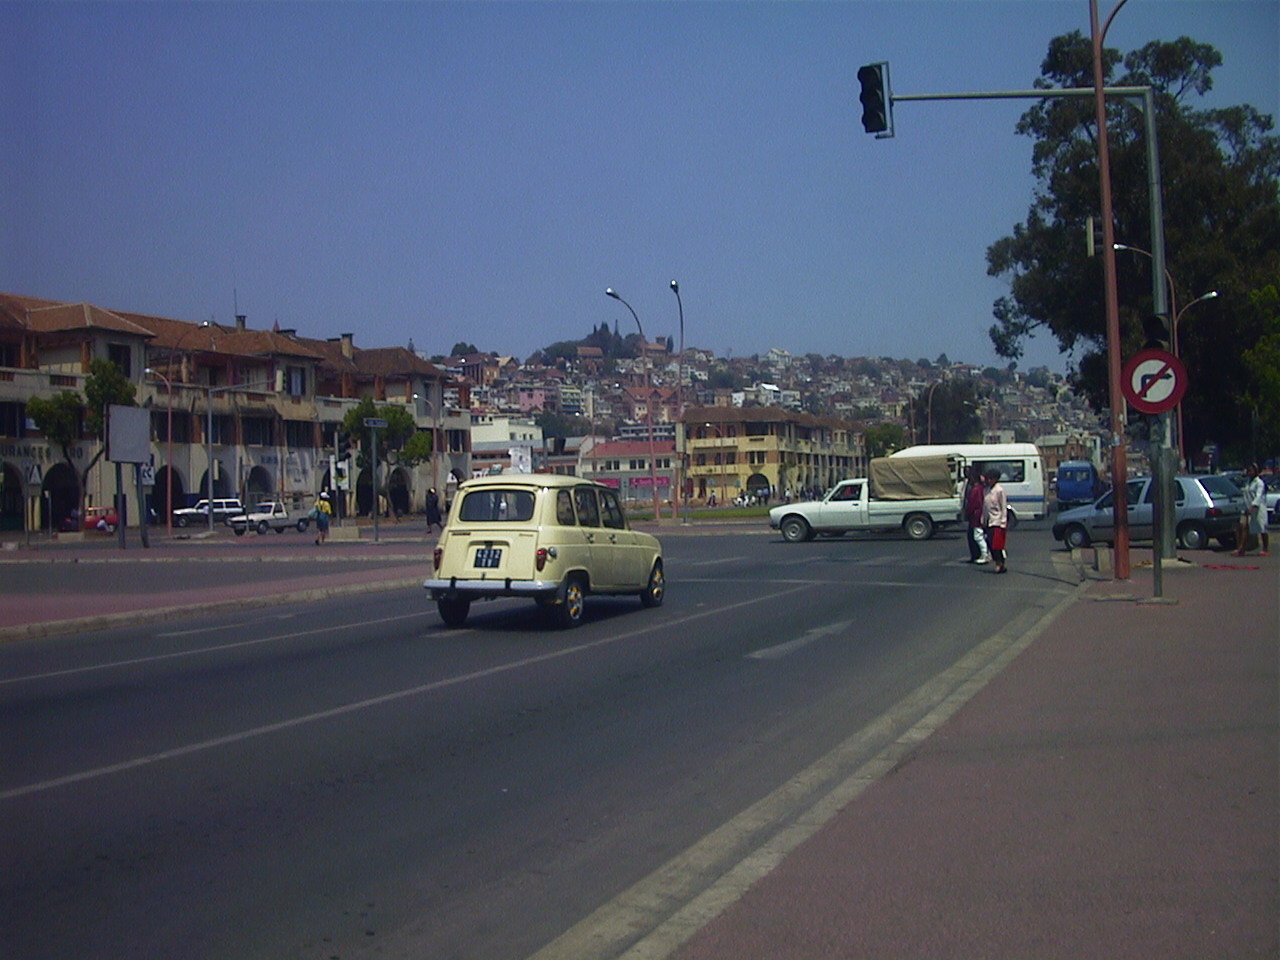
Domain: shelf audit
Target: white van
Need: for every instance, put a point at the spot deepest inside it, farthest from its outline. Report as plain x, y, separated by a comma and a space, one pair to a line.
1021, 471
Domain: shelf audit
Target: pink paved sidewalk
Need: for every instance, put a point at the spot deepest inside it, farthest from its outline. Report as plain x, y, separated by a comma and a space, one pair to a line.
1115, 792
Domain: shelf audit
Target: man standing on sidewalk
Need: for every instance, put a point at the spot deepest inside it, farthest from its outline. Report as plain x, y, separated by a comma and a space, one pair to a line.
996, 515
1254, 519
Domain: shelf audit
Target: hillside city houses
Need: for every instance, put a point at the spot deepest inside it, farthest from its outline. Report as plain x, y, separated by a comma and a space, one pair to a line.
262, 409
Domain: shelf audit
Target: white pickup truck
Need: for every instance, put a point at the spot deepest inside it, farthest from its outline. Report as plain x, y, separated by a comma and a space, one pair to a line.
264, 517
916, 495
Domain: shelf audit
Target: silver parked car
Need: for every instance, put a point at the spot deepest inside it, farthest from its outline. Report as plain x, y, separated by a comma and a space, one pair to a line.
1205, 507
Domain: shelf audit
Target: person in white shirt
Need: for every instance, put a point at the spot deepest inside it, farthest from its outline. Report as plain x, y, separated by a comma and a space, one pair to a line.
1254, 519
995, 515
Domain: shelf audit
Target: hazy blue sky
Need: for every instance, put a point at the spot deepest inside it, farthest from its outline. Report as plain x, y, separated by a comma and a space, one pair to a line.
482, 171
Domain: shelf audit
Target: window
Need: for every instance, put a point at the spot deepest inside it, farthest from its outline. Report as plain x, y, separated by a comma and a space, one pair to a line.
588, 509
1011, 471
613, 516
257, 431
488, 506
296, 380
121, 356
13, 419
564, 509
852, 492
299, 434
636, 465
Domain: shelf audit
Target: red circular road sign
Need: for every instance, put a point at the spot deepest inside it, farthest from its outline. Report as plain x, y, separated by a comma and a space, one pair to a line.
1153, 381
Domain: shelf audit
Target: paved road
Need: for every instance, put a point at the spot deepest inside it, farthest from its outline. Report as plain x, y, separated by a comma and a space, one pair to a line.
349, 778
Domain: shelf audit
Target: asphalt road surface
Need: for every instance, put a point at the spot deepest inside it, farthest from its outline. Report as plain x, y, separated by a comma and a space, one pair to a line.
354, 779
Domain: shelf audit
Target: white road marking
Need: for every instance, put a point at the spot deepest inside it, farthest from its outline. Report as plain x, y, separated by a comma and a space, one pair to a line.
791, 646
371, 702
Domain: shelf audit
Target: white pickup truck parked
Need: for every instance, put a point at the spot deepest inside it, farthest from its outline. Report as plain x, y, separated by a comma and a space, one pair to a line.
267, 516
916, 495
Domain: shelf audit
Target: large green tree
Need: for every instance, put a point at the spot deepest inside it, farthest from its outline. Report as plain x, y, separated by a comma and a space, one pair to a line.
948, 411
65, 418
1219, 168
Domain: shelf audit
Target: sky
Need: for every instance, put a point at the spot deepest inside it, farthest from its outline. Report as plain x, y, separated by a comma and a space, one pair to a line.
435, 172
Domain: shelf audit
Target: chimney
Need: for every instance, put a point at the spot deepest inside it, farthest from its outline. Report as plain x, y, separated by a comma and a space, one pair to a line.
348, 345
240, 322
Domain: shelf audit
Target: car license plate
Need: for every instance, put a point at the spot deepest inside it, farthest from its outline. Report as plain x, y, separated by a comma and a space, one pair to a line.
488, 558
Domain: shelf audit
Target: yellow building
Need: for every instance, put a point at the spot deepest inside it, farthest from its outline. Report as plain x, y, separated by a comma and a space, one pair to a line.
765, 452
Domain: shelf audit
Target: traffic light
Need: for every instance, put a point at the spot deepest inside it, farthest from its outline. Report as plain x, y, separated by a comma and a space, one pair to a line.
877, 101
1155, 329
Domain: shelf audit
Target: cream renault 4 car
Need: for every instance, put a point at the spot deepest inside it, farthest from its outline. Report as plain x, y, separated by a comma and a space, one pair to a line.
553, 538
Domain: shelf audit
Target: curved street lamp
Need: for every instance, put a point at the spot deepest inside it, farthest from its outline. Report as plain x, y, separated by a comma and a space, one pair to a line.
168, 457
648, 403
679, 491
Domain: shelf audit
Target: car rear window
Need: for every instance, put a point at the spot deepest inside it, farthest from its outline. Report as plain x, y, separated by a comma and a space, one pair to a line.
496, 505
1220, 486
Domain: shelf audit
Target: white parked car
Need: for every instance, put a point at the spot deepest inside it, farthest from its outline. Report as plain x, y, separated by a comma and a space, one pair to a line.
554, 539
199, 514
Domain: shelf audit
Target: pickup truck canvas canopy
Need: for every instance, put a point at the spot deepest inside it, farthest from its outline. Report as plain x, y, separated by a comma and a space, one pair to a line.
912, 478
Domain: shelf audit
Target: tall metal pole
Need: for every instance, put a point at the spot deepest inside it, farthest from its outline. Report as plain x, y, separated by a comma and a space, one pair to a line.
679, 491
648, 404
1119, 465
168, 466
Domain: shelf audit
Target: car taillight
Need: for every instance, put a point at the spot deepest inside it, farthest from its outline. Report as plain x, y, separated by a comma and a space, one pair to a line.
435, 557
1213, 512
544, 554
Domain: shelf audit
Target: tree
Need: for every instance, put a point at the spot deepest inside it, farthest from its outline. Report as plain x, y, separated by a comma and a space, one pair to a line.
884, 438
1219, 170
1262, 360
462, 349
399, 429
948, 412
61, 418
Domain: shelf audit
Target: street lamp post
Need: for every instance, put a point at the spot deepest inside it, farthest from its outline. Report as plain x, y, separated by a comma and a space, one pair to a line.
1173, 328
679, 491
648, 403
168, 463
1119, 466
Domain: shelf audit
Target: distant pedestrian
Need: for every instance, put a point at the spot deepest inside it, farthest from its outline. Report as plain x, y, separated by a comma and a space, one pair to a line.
1253, 521
995, 508
433, 510
322, 513
974, 494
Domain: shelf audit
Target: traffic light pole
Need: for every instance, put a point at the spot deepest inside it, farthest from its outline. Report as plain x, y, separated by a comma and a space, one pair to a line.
1162, 476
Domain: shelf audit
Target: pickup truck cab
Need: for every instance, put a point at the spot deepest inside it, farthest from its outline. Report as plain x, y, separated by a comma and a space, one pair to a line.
267, 516
916, 495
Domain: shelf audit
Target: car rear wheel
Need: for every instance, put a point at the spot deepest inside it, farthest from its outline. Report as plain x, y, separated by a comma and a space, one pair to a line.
454, 611
179, 521
302, 525
1075, 537
239, 531
656, 589
573, 603
1192, 536
795, 529
263, 527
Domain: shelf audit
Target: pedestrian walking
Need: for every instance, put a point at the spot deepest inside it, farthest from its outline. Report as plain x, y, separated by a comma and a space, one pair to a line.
322, 513
433, 510
1253, 521
974, 493
996, 517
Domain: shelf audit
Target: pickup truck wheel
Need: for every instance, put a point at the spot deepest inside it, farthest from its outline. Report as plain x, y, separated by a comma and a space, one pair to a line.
180, 522
263, 527
918, 526
239, 531
656, 589
573, 603
795, 529
302, 525
454, 612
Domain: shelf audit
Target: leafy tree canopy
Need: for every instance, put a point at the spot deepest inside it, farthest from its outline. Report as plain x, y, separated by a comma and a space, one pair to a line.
1219, 170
